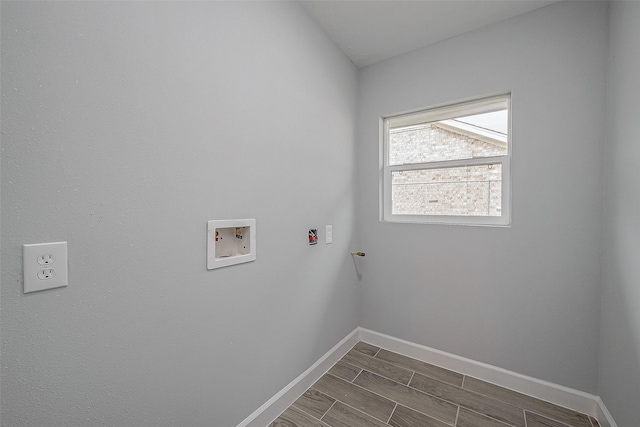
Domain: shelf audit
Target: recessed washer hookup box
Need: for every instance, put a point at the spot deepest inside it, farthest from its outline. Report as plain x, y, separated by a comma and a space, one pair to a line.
230, 241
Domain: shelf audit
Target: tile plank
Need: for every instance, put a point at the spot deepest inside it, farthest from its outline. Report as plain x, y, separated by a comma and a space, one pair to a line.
532, 404
341, 415
345, 371
424, 368
476, 402
467, 418
378, 366
408, 397
294, 417
405, 417
357, 397
535, 420
365, 348
314, 403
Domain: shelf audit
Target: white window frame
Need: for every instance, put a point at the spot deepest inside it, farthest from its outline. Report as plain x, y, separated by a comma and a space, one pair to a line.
436, 113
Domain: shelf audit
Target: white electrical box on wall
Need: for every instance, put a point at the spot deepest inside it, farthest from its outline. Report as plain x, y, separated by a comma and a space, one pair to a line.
230, 241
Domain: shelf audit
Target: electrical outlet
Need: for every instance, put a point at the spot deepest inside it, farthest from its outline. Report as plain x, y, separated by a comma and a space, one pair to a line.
46, 274
328, 234
44, 266
46, 259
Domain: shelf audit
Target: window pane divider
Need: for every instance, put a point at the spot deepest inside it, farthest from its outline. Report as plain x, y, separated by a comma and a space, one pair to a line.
449, 163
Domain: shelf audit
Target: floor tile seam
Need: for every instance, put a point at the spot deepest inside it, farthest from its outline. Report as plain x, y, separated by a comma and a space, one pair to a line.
301, 409
525, 407
494, 418
324, 394
499, 399
455, 422
415, 389
550, 418
433, 417
400, 404
365, 389
405, 385
364, 342
354, 378
462, 404
411, 379
382, 375
359, 410
418, 360
509, 401
422, 373
377, 352
350, 364
380, 359
392, 412
458, 404
529, 408
327, 411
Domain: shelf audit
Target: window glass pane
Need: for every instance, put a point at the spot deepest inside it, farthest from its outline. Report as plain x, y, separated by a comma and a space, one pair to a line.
466, 191
463, 137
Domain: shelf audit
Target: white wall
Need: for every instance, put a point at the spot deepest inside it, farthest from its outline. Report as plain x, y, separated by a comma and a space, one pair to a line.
620, 343
525, 298
125, 127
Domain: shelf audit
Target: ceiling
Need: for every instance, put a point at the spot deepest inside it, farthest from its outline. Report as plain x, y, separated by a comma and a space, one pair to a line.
371, 31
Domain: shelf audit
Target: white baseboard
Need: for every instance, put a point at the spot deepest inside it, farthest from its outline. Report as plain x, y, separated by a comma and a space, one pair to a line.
604, 416
268, 412
574, 399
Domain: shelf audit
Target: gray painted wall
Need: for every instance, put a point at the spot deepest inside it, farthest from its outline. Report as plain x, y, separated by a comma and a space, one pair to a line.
125, 127
620, 343
525, 298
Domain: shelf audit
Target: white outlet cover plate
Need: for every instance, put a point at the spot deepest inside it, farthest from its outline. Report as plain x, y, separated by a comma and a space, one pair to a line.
56, 254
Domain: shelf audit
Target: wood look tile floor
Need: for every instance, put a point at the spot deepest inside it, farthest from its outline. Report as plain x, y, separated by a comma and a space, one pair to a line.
373, 387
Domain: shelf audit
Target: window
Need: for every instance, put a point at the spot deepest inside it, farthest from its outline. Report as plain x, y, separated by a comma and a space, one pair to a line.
448, 165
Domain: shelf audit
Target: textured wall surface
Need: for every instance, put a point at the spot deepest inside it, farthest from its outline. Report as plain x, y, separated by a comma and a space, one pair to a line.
620, 343
125, 127
526, 297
